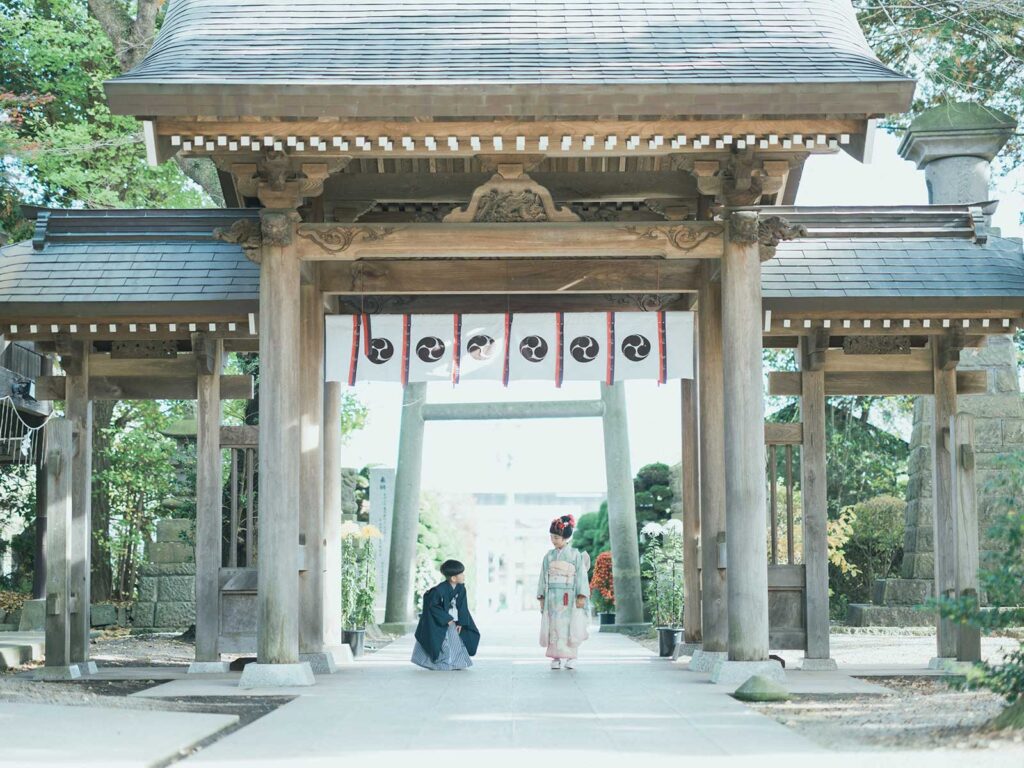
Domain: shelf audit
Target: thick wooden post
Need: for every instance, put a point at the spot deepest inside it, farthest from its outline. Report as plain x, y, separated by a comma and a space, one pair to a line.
278, 559
745, 494
691, 511
311, 480
815, 507
944, 525
78, 410
629, 605
209, 357
58, 469
401, 566
332, 514
711, 415
965, 496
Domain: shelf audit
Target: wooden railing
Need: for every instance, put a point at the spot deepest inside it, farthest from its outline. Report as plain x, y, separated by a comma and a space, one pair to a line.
781, 441
239, 444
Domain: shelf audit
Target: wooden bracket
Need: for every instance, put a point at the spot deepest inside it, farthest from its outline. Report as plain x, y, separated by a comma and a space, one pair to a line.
816, 349
949, 348
71, 353
204, 350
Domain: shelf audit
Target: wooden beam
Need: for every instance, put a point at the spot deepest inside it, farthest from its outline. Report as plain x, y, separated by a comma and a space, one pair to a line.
918, 361
102, 365
785, 383
137, 388
348, 242
426, 276
541, 302
783, 434
239, 437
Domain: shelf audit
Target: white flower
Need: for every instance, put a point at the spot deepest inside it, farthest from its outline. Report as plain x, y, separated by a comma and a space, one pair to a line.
673, 526
349, 528
650, 530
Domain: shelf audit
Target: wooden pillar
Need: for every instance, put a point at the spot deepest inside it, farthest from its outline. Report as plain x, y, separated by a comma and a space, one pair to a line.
746, 545
965, 497
78, 410
944, 522
629, 605
39, 560
691, 510
58, 470
332, 513
402, 562
209, 357
311, 470
278, 559
815, 505
711, 414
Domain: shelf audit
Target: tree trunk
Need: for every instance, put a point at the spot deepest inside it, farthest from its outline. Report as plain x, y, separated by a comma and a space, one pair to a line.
102, 573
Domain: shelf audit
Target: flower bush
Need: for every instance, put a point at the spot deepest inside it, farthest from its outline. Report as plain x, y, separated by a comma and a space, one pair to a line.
661, 567
358, 574
602, 584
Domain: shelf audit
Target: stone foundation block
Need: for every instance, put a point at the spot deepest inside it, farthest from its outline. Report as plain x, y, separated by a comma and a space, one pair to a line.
209, 667
258, 675
738, 672
172, 616
180, 589
818, 665
33, 616
143, 615
705, 661
70, 672
321, 662
901, 591
867, 615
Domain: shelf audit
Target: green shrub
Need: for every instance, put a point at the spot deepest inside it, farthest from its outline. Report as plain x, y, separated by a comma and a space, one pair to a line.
872, 547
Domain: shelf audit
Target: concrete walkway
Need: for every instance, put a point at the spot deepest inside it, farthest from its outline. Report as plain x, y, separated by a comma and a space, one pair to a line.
621, 703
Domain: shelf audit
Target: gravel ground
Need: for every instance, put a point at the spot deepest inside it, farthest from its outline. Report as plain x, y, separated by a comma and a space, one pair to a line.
919, 713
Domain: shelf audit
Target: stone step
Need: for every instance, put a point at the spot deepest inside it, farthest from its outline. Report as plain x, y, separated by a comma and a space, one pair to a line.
867, 615
17, 648
889, 592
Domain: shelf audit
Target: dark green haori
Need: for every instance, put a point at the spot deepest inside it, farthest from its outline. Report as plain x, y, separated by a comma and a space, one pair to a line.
433, 624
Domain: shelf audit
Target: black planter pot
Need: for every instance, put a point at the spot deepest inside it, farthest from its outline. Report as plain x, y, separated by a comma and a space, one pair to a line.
667, 639
354, 638
606, 618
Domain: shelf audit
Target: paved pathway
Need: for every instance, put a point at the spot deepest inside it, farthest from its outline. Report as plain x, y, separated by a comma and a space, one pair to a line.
621, 703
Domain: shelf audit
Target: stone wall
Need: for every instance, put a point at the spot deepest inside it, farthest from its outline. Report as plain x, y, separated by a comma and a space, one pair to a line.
166, 599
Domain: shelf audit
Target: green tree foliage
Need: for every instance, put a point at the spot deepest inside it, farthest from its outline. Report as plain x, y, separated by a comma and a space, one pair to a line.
437, 540
961, 50
17, 507
1002, 581
65, 148
872, 548
591, 534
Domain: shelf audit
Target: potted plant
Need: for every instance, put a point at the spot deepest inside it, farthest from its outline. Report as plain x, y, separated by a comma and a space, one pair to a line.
358, 582
602, 588
661, 567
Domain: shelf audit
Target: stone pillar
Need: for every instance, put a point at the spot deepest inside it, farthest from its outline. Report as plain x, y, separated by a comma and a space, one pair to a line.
78, 410
745, 494
690, 473
278, 562
629, 606
398, 611
813, 485
209, 355
711, 414
58, 547
312, 647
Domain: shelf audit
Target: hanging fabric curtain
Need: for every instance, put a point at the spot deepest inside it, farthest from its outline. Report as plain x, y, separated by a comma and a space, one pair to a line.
554, 346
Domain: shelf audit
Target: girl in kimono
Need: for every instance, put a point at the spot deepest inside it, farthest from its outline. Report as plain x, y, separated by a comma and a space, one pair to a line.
446, 635
563, 590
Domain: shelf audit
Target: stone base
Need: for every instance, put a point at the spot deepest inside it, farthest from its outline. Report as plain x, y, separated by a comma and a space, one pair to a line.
276, 675
818, 665
684, 650
738, 672
398, 627
950, 665
70, 672
705, 661
321, 662
901, 591
626, 629
86, 668
342, 655
209, 667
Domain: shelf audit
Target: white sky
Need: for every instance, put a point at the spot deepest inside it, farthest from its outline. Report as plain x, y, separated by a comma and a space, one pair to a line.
567, 455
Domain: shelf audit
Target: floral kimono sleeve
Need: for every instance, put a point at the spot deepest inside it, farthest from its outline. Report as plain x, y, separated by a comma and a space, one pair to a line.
582, 577
542, 583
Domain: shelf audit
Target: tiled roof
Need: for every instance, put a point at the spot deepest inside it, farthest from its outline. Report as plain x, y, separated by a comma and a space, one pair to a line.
506, 41
858, 268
